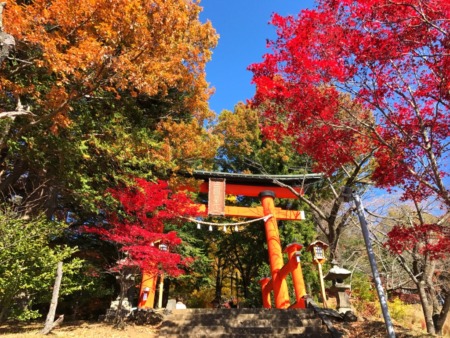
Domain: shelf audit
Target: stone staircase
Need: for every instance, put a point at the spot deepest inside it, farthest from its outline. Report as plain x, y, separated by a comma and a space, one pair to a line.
236, 323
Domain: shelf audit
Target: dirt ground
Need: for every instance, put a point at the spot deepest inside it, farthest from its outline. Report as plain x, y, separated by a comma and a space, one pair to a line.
78, 330
360, 329
376, 329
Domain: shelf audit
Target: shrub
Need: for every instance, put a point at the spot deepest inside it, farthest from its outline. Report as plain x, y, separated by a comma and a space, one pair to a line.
397, 309
28, 261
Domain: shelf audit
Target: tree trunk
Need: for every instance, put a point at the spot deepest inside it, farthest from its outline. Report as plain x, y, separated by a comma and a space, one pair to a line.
3, 308
426, 307
119, 322
7, 41
218, 288
440, 320
167, 283
49, 323
219, 281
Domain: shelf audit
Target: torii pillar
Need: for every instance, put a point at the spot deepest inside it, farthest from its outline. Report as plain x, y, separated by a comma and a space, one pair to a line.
280, 289
148, 290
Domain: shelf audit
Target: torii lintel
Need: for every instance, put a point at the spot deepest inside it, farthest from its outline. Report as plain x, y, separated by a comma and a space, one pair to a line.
252, 185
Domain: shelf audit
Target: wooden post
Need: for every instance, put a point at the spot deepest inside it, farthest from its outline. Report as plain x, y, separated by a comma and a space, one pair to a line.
161, 289
322, 286
280, 289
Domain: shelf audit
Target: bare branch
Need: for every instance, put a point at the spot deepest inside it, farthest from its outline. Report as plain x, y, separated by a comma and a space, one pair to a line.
20, 110
2, 6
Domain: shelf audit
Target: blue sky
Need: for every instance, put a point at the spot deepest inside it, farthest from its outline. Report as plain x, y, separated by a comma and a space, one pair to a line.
243, 28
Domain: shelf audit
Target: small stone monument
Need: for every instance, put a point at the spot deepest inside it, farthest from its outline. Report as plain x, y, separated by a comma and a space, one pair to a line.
171, 304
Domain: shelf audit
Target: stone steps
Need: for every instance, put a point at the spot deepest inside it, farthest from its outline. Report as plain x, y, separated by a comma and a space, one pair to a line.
239, 322
210, 323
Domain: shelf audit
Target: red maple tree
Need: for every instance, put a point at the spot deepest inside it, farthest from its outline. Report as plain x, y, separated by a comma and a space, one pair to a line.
392, 59
138, 227
429, 239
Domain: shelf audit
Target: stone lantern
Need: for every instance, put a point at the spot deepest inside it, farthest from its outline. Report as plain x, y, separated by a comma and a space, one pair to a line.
339, 289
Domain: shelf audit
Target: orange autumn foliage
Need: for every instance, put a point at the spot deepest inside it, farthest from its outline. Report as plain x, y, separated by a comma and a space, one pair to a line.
188, 143
140, 46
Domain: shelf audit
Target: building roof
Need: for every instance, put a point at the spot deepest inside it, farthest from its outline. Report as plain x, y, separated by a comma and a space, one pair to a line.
259, 179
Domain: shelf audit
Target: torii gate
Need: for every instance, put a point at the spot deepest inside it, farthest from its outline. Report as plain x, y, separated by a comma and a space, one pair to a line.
217, 185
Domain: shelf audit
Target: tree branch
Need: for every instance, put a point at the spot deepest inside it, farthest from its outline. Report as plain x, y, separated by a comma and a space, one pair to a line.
20, 110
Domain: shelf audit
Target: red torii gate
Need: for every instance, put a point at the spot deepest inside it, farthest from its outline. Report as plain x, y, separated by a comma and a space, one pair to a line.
217, 185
